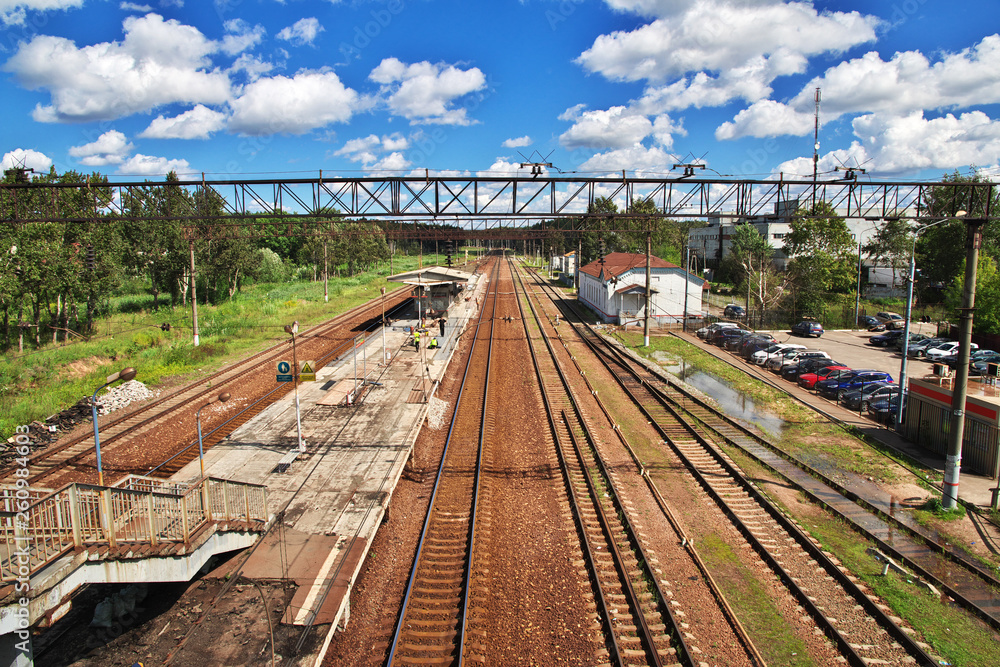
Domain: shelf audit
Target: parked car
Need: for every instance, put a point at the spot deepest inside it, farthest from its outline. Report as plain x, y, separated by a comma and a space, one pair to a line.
733, 343
754, 346
837, 387
791, 372
891, 320
975, 355
718, 338
735, 312
706, 332
871, 323
981, 365
809, 380
794, 356
943, 350
920, 349
914, 339
862, 399
884, 411
758, 338
886, 339
760, 357
808, 328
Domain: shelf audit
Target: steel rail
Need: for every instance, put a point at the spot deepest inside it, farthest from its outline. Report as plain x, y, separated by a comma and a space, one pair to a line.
610, 358
646, 636
250, 364
332, 355
847, 649
923, 540
397, 633
686, 542
843, 645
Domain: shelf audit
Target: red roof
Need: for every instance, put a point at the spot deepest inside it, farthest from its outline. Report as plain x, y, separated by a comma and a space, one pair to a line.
618, 263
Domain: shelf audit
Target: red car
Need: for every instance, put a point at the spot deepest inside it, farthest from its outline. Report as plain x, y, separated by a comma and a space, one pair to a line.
809, 380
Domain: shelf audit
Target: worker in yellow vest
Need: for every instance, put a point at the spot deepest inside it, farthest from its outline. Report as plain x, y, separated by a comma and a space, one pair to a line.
416, 339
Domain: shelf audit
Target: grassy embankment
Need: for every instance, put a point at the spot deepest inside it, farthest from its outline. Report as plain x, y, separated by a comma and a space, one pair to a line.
42, 382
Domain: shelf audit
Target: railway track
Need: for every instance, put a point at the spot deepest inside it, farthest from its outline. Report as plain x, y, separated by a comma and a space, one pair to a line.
57, 462
638, 622
431, 628
954, 572
839, 606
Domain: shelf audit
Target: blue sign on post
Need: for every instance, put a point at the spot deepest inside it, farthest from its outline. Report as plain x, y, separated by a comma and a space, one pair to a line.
284, 371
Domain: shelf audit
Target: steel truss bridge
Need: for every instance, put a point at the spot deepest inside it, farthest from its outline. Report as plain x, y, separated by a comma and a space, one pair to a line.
450, 207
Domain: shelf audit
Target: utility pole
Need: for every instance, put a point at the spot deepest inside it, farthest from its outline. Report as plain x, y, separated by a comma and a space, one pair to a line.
687, 289
649, 300
326, 274
953, 460
194, 298
816, 147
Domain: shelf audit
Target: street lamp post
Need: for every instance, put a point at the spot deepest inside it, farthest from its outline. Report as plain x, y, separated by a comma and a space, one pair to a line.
383, 325
906, 322
221, 398
293, 329
124, 375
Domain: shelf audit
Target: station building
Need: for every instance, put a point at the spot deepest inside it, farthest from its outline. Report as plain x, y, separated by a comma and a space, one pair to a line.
614, 287
435, 288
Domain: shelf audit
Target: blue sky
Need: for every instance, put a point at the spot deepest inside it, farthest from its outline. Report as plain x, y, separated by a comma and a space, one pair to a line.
234, 88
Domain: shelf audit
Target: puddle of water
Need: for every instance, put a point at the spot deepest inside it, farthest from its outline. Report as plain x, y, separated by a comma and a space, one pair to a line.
730, 401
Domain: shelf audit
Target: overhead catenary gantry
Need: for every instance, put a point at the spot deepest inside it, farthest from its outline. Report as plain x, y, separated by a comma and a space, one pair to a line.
481, 206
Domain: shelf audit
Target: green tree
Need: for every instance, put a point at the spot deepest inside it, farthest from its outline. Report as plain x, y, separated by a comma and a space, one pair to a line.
754, 255
987, 317
890, 245
940, 250
821, 252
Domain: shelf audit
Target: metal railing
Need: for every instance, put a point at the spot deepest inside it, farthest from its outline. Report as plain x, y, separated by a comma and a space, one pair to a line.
35, 531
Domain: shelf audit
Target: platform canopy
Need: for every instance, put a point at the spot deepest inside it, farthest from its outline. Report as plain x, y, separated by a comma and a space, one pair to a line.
431, 275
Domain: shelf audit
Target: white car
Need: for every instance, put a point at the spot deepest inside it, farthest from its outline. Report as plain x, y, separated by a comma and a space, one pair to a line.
787, 357
761, 357
941, 351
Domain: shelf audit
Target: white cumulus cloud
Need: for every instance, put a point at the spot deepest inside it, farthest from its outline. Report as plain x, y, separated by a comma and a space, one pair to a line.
241, 36
134, 7
425, 92
14, 12
295, 105
637, 158
909, 81
617, 127
375, 152
892, 145
148, 165
159, 62
912, 142
112, 147
517, 142
27, 158
197, 123
303, 31
721, 34
766, 118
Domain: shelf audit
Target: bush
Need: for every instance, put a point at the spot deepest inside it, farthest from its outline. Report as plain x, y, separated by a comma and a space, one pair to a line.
271, 268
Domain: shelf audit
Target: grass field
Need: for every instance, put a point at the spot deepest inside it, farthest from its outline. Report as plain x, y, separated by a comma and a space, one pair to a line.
39, 383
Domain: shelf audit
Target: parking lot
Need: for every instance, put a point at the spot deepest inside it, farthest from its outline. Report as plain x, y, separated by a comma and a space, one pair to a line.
852, 349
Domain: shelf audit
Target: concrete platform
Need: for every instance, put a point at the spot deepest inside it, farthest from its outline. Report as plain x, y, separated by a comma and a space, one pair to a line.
335, 494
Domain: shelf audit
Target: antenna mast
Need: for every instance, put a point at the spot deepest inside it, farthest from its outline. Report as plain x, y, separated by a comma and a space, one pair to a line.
816, 144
